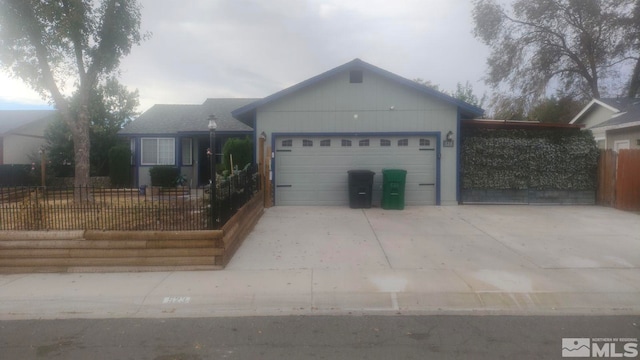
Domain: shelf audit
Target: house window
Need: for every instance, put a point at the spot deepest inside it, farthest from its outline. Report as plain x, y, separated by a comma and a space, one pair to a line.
307, 143
403, 142
425, 142
355, 76
325, 143
346, 143
287, 143
187, 151
385, 142
158, 151
364, 142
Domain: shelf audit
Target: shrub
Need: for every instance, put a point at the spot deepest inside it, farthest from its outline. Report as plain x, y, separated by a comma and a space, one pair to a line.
164, 175
18, 175
242, 151
522, 159
120, 166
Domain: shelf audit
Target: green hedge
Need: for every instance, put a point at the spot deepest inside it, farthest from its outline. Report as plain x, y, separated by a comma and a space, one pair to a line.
19, 175
242, 151
559, 159
164, 176
120, 166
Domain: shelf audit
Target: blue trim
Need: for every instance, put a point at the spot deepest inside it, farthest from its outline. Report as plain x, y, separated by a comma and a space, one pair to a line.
188, 133
470, 110
437, 134
458, 150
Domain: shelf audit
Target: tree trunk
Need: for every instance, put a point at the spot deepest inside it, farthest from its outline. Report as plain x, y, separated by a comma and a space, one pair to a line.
634, 84
81, 146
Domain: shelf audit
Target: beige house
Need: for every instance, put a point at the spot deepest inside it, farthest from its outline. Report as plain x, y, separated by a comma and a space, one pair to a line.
22, 134
615, 123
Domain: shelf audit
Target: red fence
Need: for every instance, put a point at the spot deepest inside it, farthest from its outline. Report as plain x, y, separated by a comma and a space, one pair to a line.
619, 179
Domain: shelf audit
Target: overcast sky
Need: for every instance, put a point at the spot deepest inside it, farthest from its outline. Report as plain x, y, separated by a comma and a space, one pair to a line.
253, 48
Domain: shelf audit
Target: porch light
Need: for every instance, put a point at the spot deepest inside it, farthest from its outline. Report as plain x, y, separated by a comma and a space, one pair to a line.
449, 136
212, 123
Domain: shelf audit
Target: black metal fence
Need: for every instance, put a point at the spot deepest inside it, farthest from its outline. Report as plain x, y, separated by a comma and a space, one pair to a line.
93, 208
233, 192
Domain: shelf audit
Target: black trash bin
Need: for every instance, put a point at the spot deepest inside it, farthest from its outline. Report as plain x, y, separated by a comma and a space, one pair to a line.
360, 188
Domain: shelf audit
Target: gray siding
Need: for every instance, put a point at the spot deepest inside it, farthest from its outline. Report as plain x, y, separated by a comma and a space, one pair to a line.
597, 116
631, 134
331, 105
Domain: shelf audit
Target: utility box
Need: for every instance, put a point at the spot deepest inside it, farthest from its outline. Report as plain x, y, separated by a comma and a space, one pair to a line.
393, 184
360, 188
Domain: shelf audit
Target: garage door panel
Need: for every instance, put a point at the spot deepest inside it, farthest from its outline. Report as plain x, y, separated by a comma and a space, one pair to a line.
315, 175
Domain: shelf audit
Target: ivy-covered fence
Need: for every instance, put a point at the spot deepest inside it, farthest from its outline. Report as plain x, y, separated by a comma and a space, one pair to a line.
528, 166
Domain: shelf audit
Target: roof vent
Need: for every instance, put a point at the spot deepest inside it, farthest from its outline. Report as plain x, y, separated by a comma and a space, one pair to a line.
355, 76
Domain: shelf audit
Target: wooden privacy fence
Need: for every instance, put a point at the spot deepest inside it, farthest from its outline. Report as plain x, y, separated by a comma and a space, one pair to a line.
619, 179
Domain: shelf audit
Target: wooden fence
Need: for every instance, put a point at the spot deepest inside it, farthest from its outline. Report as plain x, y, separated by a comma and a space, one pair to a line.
619, 179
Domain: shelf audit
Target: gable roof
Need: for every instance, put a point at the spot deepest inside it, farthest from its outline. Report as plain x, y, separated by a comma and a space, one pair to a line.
627, 116
20, 121
163, 119
625, 111
467, 110
612, 104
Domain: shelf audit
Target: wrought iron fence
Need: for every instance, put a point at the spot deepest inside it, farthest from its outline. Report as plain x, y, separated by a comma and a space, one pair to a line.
233, 192
93, 208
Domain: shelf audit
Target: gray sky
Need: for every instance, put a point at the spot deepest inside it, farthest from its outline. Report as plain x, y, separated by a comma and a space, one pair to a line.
253, 48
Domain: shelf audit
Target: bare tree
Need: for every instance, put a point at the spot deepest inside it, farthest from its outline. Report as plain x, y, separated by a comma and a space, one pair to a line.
577, 48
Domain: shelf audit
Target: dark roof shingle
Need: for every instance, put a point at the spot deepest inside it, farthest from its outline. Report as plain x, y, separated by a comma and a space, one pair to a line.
179, 118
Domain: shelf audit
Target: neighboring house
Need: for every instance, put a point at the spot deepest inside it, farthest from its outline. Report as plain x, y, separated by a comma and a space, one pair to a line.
22, 134
615, 123
359, 116
178, 135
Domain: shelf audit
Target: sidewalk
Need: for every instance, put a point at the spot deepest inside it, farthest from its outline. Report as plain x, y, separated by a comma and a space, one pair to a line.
302, 292
463, 260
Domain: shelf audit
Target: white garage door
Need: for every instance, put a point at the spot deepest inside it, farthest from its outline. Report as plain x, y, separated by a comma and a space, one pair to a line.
313, 170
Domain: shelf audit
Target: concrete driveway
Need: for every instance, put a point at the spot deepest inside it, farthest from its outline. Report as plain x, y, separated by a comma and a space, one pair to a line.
577, 258
424, 260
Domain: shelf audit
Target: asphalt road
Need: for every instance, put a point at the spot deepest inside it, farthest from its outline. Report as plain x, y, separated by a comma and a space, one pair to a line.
301, 337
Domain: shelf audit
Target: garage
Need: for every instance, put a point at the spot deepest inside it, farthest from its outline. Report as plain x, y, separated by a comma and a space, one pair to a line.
357, 117
312, 169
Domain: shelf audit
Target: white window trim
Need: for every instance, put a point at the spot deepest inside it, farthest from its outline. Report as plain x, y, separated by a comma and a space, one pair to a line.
173, 141
621, 145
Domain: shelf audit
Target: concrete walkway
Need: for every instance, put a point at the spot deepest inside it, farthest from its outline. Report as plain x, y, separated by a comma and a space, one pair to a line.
423, 260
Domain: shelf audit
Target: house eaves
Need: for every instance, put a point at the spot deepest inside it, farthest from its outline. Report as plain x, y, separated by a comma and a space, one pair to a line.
466, 109
605, 127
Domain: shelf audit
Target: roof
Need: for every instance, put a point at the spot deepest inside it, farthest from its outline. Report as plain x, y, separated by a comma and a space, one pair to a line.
20, 121
615, 105
467, 110
629, 115
180, 118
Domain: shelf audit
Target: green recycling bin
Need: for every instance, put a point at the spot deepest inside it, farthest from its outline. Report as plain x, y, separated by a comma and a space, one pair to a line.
393, 183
